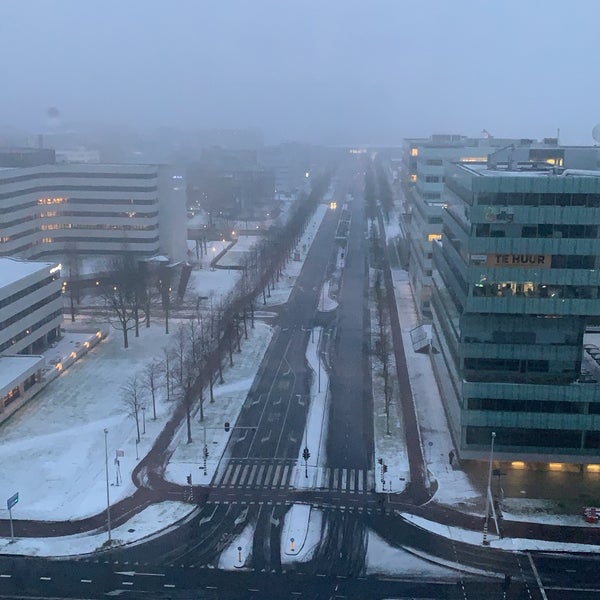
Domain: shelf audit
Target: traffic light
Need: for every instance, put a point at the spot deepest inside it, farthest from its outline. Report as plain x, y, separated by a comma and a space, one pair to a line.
380, 461
205, 452
227, 426
306, 454
385, 468
189, 479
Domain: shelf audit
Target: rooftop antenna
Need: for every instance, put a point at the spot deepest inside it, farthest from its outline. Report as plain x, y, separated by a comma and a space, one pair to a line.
596, 132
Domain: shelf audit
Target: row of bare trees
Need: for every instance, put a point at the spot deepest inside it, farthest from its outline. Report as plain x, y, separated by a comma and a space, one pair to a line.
383, 345
190, 366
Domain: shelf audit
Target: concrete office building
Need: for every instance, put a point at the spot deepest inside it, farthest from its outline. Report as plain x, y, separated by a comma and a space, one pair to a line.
31, 306
516, 278
53, 209
30, 318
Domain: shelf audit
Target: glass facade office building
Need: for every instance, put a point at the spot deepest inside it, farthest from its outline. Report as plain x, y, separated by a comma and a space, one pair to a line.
516, 278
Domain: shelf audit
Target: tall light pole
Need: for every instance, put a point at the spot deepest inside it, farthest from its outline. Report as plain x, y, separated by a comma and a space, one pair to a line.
107, 485
488, 493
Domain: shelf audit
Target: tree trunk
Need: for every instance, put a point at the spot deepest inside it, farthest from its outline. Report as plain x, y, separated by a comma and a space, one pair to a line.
188, 419
137, 425
220, 364
72, 305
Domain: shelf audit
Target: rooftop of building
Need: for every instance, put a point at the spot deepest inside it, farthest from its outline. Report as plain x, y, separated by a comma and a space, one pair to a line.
523, 169
26, 157
79, 167
13, 367
486, 141
13, 269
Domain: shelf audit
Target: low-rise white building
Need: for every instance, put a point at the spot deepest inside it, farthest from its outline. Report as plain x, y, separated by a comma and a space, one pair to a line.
17, 375
31, 307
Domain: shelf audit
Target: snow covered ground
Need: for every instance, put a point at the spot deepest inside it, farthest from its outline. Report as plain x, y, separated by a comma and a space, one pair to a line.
58, 438
476, 537
383, 559
142, 525
303, 524
454, 487
239, 550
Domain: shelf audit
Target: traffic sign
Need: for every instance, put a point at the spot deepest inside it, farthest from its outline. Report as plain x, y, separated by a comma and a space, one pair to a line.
12, 500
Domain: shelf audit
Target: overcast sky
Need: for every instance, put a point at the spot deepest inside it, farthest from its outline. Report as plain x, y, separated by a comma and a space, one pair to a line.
324, 71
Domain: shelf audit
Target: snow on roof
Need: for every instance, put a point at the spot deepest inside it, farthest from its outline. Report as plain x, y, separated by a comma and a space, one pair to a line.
13, 269
13, 367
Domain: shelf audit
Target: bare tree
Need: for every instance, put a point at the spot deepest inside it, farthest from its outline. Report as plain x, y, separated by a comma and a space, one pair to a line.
188, 384
167, 371
134, 399
148, 289
120, 295
181, 349
151, 377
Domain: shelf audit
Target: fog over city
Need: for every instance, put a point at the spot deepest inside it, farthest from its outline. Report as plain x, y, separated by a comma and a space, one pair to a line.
334, 72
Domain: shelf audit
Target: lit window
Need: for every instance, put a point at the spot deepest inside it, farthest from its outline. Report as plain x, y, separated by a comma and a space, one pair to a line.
434, 236
43, 201
414, 152
413, 177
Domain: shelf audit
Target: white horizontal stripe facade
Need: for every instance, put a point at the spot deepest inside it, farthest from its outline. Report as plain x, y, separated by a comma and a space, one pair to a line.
82, 208
27, 315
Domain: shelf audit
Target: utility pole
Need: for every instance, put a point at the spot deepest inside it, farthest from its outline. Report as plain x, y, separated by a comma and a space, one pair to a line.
107, 484
488, 493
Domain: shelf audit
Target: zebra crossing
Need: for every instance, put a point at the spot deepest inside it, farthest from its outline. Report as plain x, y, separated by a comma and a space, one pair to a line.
354, 481
279, 474
256, 474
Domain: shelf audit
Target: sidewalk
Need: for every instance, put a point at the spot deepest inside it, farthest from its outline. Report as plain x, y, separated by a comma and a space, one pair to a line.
459, 494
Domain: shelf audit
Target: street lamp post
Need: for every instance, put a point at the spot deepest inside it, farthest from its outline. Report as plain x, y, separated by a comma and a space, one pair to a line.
488, 493
144, 420
205, 450
107, 485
